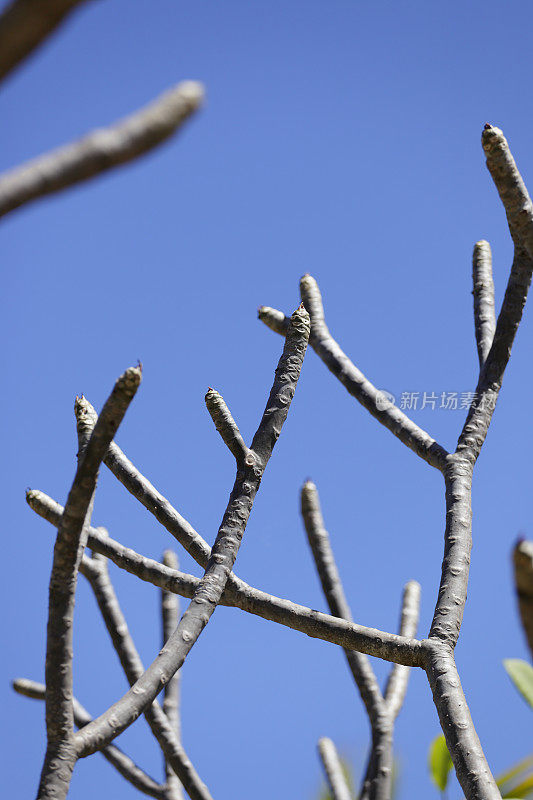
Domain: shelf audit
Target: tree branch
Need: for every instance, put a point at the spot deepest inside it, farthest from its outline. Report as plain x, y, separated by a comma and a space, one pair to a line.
170, 614
510, 186
100, 150
399, 675
209, 591
334, 593
25, 24
484, 315
95, 570
387, 646
333, 769
353, 380
226, 425
70, 542
122, 763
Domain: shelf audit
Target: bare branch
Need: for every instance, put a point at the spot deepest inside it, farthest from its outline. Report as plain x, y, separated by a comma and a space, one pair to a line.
226, 425
462, 740
353, 380
484, 315
373, 642
333, 770
170, 613
25, 24
122, 763
523, 575
100, 150
333, 590
70, 542
209, 591
510, 186
95, 570
399, 675
141, 488
274, 319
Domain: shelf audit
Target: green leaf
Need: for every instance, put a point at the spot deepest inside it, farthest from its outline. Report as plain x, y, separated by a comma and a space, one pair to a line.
521, 674
505, 777
439, 762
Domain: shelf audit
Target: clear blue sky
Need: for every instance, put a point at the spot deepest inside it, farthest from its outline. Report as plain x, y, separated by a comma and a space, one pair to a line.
340, 138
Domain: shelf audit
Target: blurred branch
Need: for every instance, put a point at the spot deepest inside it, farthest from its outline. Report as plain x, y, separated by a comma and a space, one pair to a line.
100, 150
25, 24
333, 770
523, 574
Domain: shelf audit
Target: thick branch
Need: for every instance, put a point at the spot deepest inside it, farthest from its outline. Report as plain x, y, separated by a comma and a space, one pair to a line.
100, 150
334, 592
465, 749
209, 591
333, 769
484, 315
510, 186
122, 763
523, 574
24, 24
373, 642
353, 380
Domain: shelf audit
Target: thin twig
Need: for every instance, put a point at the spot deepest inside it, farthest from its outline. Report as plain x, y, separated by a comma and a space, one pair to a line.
353, 380
122, 762
71, 538
209, 591
100, 150
398, 677
484, 314
334, 592
381, 644
226, 425
381, 712
333, 770
141, 488
25, 24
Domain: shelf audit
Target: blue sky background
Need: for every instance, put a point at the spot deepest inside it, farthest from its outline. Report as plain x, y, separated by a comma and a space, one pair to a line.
339, 138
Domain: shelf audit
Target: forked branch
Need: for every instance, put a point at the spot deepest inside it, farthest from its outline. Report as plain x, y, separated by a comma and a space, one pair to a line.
114, 755
210, 588
70, 543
